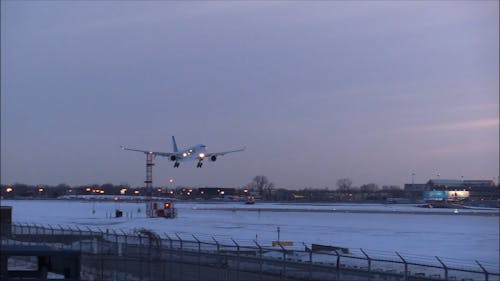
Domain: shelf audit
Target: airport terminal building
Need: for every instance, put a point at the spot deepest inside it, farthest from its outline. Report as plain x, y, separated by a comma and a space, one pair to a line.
453, 190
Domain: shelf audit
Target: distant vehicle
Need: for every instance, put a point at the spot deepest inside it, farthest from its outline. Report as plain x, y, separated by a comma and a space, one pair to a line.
250, 200
192, 153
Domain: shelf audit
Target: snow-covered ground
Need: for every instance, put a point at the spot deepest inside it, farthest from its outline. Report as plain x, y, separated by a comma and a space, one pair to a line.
404, 228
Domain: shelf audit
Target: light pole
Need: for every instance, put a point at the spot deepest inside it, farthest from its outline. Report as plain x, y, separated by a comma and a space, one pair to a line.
171, 182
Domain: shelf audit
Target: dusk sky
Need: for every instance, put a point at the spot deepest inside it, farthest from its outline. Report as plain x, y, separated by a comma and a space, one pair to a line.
316, 91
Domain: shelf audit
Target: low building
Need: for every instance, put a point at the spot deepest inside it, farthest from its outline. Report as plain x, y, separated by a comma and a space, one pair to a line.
454, 190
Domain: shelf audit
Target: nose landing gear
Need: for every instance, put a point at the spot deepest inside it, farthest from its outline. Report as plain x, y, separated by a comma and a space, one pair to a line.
176, 165
199, 164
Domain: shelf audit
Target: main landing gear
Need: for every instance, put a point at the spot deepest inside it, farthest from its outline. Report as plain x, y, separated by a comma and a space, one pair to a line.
199, 164
176, 165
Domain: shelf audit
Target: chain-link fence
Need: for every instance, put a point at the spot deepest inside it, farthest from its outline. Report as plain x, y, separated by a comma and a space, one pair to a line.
145, 255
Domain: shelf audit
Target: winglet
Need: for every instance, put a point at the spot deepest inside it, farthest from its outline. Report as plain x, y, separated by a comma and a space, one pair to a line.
122, 147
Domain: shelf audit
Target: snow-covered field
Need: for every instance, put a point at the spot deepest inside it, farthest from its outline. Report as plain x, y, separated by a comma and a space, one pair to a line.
469, 235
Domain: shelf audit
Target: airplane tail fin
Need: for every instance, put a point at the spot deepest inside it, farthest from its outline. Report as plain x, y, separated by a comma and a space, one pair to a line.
174, 144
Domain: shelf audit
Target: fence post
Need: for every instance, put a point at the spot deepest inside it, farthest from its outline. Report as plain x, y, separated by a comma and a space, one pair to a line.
102, 242
94, 241
170, 250
118, 254
199, 256
29, 232
169, 240
63, 237
310, 259
180, 239
406, 265
71, 232
15, 231
125, 242
237, 259
369, 260
182, 254
28, 239
445, 268
118, 245
486, 273
140, 257
40, 235
260, 259
284, 261
52, 232
80, 238
219, 254
337, 264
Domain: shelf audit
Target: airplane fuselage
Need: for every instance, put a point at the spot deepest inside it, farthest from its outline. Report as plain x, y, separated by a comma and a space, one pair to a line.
196, 152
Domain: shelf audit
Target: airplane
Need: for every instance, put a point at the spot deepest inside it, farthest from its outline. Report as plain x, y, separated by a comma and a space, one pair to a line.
195, 152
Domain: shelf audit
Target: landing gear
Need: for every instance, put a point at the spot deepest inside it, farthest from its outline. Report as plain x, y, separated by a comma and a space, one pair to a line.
199, 164
176, 165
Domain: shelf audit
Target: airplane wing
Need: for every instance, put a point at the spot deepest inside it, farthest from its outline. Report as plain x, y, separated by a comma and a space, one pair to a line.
224, 152
155, 153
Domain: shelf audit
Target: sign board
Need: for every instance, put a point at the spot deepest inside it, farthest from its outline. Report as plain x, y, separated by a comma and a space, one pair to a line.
435, 195
318, 248
282, 243
457, 194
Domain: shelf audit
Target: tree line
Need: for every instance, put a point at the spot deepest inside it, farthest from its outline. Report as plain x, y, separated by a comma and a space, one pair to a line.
260, 187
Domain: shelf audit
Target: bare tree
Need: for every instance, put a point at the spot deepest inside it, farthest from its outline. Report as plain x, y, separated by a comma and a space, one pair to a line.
344, 184
262, 185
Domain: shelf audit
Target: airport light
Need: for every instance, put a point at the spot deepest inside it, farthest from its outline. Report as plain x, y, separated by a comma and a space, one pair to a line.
101, 191
88, 189
9, 189
40, 190
123, 191
136, 191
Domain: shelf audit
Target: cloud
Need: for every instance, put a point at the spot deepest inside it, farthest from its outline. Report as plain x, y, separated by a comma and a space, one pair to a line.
490, 123
458, 150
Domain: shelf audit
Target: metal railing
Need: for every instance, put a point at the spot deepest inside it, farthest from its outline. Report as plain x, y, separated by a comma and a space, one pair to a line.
145, 255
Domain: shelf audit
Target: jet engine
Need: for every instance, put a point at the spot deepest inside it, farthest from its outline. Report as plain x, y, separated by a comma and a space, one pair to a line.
173, 158
213, 158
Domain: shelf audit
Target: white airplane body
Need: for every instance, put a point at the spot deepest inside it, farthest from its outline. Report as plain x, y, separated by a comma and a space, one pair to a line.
196, 152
